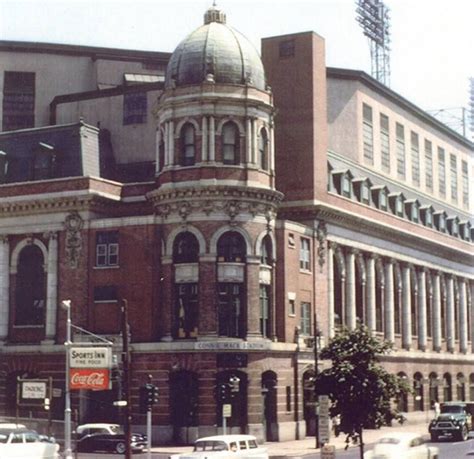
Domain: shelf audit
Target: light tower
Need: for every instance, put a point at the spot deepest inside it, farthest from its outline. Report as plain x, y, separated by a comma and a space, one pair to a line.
471, 106
373, 17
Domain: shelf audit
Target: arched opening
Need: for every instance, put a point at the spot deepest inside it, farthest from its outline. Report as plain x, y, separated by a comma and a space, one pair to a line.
30, 292
188, 145
269, 395
230, 144
471, 387
460, 387
418, 395
309, 402
447, 387
237, 398
402, 400
184, 404
338, 289
231, 247
266, 257
434, 382
185, 248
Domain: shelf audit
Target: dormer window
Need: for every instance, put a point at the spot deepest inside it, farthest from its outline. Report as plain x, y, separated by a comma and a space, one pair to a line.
413, 211
399, 207
464, 230
427, 216
44, 162
365, 193
440, 221
346, 186
383, 203
343, 182
453, 226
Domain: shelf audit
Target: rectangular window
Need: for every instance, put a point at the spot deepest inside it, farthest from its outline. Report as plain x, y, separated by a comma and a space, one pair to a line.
465, 184
383, 200
441, 172
368, 134
305, 258
288, 398
105, 294
18, 100
415, 159
453, 176
400, 131
106, 248
305, 319
384, 143
291, 240
230, 307
265, 310
291, 308
134, 108
186, 310
428, 165
287, 48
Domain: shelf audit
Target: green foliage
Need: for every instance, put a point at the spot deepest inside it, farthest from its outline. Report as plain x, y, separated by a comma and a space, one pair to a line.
361, 390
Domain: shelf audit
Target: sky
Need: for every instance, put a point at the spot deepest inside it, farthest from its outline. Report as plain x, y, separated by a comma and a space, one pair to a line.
431, 56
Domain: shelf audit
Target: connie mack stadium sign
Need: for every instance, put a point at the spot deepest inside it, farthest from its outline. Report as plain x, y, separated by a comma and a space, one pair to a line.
90, 368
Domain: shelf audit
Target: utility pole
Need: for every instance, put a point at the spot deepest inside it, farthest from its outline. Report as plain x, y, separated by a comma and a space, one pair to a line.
126, 377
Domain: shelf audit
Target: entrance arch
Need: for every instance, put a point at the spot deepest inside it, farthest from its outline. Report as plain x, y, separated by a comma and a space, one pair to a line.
269, 395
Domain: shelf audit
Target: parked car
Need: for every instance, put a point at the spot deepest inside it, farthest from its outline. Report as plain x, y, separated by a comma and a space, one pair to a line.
24, 443
107, 437
398, 445
225, 446
454, 421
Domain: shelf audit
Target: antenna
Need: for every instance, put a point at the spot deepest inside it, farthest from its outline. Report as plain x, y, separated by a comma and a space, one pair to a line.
453, 117
373, 17
471, 107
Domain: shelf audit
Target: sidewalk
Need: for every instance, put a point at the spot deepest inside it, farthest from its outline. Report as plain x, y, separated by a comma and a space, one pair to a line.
298, 448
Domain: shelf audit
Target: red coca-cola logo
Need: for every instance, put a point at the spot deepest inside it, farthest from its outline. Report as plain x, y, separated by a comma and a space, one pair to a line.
89, 379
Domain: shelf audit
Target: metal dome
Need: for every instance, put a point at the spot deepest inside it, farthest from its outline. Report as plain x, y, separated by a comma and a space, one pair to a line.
215, 52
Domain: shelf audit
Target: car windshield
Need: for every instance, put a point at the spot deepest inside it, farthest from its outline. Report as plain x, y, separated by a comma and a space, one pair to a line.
3, 438
210, 446
389, 441
452, 409
116, 429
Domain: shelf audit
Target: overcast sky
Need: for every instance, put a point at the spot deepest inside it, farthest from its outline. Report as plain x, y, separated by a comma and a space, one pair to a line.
432, 40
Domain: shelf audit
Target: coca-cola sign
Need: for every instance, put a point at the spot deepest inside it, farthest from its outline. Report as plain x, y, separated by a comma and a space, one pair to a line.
89, 378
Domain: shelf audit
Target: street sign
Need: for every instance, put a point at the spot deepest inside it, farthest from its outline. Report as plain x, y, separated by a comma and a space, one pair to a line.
328, 452
90, 357
33, 390
227, 410
324, 430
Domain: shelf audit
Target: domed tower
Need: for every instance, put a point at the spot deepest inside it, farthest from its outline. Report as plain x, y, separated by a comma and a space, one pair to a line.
215, 192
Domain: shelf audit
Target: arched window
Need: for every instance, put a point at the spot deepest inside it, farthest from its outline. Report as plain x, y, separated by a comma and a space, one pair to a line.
237, 383
418, 396
434, 383
460, 387
231, 247
30, 287
263, 149
185, 248
161, 153
402, 400
188, 145
230, 153
448, 387
471, 387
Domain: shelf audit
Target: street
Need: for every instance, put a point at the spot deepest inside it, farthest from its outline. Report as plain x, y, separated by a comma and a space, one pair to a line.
448, 450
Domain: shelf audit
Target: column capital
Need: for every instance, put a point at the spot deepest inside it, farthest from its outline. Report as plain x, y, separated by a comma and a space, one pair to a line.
4, 238
50, 235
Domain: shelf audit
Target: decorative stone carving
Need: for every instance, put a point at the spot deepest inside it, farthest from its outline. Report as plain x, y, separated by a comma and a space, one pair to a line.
73, 225
232, 209
321, 235
184, 210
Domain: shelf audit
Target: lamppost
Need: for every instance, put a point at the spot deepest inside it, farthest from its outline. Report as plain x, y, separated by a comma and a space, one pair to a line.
66, 304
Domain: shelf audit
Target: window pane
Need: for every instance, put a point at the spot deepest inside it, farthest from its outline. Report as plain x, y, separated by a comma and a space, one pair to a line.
18, 100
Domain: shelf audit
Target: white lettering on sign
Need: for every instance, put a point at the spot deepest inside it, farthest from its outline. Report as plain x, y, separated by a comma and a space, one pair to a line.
231, 345
93, 379
33, 390
90, 357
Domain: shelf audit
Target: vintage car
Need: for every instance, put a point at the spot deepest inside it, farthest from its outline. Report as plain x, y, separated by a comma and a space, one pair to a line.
24, 443
225, 446
454, 421
107, 437
398, 445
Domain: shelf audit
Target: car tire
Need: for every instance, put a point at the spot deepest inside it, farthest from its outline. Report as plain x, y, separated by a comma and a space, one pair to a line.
464, 435
120, 447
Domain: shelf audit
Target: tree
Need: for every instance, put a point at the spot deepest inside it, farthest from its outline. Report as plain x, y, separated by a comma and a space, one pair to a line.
360, 389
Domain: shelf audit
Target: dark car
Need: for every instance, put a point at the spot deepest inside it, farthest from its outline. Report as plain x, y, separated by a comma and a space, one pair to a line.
107, 437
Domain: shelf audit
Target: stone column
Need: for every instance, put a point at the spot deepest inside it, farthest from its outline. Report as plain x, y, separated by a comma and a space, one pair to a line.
436, 311
4, 287
204, 139
330, 268
254, 141
406, 307
389, 292
166, 139
462, 317
422, 324
450, 322
350, 290
253, 297
52, 287
370, 292
212, 139
172, 159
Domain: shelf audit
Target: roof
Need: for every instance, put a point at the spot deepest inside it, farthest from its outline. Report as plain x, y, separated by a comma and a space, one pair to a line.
375, 85
227, 438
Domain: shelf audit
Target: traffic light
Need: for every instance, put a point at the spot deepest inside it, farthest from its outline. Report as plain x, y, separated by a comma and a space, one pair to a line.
223, 392
234, 383
148, 397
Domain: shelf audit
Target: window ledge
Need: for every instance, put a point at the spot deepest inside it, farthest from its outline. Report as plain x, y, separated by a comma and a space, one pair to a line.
106, 267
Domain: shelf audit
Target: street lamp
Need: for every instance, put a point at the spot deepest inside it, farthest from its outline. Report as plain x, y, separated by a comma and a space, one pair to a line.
66, 304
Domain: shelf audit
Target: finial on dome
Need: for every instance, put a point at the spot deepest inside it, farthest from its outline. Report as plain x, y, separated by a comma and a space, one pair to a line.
213, 14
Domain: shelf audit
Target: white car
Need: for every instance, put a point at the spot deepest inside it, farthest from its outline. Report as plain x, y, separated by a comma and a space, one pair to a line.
18, 443
404, 445
226, 446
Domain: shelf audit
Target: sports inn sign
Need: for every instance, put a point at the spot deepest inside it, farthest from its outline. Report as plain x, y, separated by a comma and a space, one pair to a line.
90, 368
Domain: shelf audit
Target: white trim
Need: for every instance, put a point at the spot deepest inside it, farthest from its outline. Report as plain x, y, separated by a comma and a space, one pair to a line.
227, 228
173, 234
20, 246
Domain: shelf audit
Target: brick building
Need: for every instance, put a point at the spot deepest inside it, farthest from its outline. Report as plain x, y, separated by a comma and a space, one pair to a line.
238, 204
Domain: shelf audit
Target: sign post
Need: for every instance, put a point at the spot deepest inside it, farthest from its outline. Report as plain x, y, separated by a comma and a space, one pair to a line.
328, 452
323, 420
